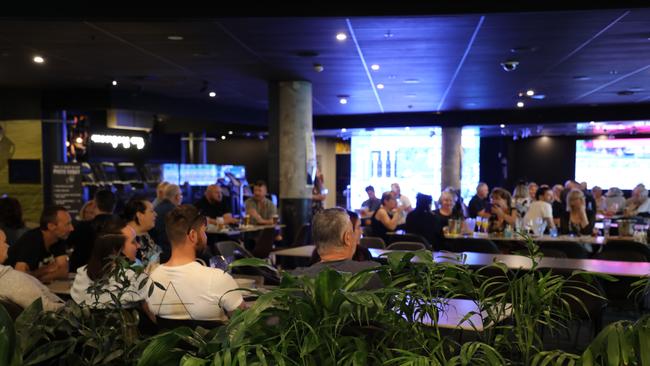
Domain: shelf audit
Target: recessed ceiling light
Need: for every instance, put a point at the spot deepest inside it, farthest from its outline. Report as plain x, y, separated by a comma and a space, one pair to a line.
592, 123
530, 92
502, 125
175, 38
212, 94
344, 130
39, 59
343, 100
520, 104
411, 81
114, 83
341, 36
380, 86
230, 132
375, 67
223, 137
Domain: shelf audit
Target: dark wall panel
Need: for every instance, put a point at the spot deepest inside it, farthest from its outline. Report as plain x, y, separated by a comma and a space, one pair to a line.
545, 160
251, 153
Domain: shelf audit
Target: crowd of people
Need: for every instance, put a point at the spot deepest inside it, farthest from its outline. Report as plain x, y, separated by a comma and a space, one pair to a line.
570, 209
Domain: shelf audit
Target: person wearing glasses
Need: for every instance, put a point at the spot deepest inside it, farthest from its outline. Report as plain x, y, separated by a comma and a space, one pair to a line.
191, 290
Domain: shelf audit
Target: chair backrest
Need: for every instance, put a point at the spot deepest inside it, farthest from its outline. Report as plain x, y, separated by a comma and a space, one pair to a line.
304, 236
406, 245
624, 250
373, 242
231, 248
410, 237
473, 245
169, 324
264, 243
569, 249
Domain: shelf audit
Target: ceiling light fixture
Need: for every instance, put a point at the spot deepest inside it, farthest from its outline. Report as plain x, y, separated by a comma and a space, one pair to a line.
520, 104
530, 92
223, 137
114, 82
38, 59
212, 94
341, 36
343, 100
502, 125
380, 86
374, 67
230, 132
592, 123
344, 130
175, 38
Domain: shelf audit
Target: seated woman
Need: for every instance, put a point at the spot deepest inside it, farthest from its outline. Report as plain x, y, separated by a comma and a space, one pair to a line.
501, 211
387, 216
575, 219
11, 219
421, 221
111, 242
141, 217
20, 288
442, 215
361, 253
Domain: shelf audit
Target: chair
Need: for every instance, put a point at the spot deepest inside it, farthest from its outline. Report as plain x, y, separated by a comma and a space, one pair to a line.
410, 237
304, 236
264, 243
170, 324
563, 250
233, 249
473, 245
592, 307
373, 242
626, 251
406, 245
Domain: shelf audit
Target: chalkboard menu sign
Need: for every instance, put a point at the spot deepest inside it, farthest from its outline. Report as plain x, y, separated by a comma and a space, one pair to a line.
66, 187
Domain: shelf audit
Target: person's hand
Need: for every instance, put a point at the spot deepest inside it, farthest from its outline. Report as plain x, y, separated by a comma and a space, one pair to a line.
496, 209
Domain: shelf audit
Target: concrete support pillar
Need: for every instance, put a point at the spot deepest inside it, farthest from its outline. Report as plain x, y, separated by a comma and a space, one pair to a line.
291, 152
203, 149
451, 157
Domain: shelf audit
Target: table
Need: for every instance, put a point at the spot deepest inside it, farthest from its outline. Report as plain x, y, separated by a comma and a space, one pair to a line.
583, 239
212, 229
454, 310
61, 287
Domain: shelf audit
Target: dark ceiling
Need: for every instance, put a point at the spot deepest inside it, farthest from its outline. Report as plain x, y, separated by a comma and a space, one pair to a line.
428, 63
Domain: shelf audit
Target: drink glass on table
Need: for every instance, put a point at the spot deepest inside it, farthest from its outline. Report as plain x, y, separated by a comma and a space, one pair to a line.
607, 224
276, 219
247, 220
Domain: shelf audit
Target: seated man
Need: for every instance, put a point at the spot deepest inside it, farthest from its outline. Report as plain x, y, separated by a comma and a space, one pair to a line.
260, 208
21, 288
541, 208
172, 197
192, 291
212, 205
85, 232
41, 252
479, 203
369, 206
336, 242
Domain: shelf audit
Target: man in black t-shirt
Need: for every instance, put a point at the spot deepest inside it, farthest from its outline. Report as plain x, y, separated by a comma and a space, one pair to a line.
212, 205
479, 203
41, 252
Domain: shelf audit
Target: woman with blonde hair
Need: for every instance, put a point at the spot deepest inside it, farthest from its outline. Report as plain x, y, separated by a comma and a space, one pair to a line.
575, 219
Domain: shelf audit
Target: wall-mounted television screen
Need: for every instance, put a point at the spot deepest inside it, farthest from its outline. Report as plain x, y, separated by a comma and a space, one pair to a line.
621, 163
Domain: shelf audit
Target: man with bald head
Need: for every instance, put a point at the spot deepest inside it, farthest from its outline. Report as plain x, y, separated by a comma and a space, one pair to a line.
212, 205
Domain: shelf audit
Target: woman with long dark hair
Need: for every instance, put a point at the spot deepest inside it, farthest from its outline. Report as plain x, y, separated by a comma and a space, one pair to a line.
101, 277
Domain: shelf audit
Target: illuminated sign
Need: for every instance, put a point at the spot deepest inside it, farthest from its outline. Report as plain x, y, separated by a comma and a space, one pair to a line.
126, 141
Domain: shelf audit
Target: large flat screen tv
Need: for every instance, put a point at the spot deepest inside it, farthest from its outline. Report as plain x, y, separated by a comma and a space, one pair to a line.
621, 163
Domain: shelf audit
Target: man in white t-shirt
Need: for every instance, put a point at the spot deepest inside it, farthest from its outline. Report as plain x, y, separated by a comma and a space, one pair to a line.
192, 291
541, 208
402, 201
